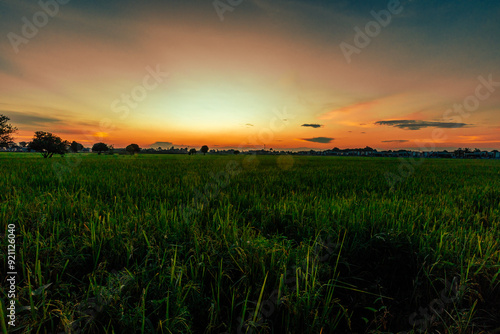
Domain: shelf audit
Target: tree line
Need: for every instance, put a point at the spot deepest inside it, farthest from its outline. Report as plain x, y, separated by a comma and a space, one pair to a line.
49, 144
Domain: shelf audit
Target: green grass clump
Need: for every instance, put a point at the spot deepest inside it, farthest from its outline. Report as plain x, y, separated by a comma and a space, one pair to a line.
213, 244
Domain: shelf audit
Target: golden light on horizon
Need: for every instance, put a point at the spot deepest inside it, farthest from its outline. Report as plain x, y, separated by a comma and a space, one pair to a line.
226, 78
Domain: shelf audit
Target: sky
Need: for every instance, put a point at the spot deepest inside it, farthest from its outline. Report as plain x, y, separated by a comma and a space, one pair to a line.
249, 74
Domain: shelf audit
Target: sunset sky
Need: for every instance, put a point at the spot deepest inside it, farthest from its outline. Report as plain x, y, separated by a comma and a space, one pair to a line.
250, 73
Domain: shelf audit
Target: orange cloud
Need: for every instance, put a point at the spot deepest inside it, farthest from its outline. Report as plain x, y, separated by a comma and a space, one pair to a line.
353, 108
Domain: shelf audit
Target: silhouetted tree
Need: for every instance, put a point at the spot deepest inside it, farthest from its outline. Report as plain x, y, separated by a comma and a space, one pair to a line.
192, 151
204, 149
6, 131
133, 149
236, 152
75, 147
99, 148
48, 144
23, 144
459, 153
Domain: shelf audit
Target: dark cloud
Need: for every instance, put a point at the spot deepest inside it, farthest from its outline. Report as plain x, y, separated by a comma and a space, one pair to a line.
248, 124
313, 125
395, 141
321, 140
417, 125
25, 118
70, 131
162, 144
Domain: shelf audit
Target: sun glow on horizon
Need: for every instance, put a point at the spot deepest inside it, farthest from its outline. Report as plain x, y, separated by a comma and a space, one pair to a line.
226, 78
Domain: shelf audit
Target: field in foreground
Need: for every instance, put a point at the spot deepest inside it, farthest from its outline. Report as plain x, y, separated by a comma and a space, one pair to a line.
213, 244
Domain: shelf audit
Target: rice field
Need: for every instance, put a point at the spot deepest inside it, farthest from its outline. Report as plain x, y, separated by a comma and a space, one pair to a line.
251, 244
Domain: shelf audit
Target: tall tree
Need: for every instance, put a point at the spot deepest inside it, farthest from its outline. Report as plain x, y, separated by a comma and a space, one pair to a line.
204, 149
48, 144
6, 131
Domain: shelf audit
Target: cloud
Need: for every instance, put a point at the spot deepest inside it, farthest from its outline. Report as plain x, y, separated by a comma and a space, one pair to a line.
321, 140
162, 144
352, 108
313, 125
395, 141
417, 125
248, 124
26, 118
69, 131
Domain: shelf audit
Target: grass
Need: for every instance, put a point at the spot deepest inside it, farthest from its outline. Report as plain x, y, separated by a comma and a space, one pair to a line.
213, 244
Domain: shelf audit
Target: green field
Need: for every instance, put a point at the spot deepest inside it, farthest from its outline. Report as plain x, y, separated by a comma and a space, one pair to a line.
214, 244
